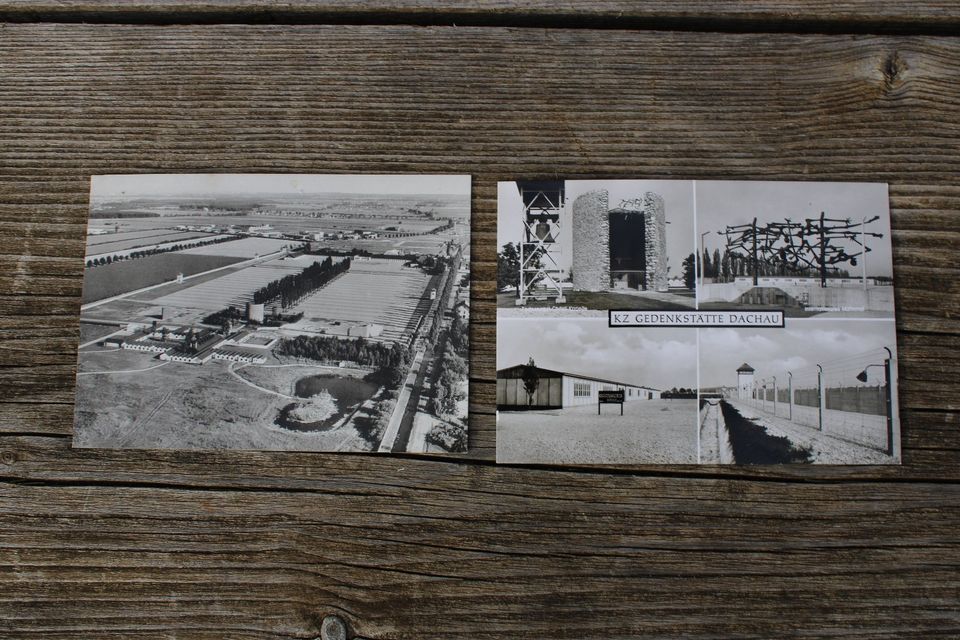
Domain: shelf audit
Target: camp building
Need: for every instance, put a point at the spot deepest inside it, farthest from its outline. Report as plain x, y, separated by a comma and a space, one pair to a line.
558, 389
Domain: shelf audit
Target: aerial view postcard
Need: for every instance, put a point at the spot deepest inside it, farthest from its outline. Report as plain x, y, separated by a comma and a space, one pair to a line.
275, 312
695, 322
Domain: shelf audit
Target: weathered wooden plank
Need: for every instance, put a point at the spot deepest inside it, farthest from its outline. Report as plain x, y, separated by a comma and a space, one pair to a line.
928, 15
429, 549
257, 544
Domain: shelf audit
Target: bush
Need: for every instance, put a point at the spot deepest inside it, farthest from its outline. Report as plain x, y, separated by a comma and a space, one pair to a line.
449, 437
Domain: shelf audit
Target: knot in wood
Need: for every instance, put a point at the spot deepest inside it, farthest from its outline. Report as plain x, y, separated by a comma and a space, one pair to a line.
893, 68
333, 628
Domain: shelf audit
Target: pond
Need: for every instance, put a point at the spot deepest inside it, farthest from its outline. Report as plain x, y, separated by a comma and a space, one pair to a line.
347, 392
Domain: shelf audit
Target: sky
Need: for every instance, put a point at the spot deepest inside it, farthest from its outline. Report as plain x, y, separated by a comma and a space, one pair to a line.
842, 346
678, 209
235, 184
731, 202
660, 358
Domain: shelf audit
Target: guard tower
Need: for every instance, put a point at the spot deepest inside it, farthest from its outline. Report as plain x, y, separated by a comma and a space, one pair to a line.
744, 381
540, 272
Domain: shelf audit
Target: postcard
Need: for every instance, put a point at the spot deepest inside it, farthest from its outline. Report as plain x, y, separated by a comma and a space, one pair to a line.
695, 322
276, 312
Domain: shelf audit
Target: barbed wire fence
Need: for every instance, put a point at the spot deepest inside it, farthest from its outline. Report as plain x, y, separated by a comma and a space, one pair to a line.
851, 398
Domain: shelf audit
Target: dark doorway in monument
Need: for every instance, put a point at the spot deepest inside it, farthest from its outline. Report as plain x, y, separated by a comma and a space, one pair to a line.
628, 259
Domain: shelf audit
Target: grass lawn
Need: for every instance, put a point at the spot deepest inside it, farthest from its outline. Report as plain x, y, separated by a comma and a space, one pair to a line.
129, 275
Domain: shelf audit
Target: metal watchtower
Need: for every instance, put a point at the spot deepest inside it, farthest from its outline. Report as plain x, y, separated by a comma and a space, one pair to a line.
540, 248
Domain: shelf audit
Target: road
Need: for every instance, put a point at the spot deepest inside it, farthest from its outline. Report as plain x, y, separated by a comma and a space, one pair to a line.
105, 373
399, 411
406, 422
102, 338
417, 443
233, 372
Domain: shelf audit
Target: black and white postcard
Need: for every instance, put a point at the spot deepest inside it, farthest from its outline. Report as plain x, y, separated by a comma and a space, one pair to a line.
276, 312
685, 322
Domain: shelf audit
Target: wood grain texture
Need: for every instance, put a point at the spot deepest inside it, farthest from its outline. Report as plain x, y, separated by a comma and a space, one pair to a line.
263, 545
942, 16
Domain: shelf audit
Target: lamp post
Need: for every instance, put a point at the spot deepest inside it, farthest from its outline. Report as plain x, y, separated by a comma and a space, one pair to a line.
820, 396
888, 400
862, 376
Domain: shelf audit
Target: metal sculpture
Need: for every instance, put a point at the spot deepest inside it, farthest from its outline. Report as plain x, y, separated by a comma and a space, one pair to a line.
815, 243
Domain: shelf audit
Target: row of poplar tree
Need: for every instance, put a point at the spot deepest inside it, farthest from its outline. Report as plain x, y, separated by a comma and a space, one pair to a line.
289, 290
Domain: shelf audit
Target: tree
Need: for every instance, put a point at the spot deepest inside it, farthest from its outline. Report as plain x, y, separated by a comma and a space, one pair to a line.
458, 336
438, 401
447, 402
508, 267
716, 263
531, 381
689, 271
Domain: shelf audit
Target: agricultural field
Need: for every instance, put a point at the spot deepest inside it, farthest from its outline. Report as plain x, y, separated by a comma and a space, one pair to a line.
373, 291
122, 277
131, 225
109, 243
90, 331
243, 248
430, 244
236, 287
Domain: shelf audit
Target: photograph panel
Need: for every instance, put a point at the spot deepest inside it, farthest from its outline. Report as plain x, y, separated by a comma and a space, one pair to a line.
810, 248
817, 391
576, 391
282, 312
581, 247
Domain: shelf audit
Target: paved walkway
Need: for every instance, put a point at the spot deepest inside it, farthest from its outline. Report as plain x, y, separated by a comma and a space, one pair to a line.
714, 444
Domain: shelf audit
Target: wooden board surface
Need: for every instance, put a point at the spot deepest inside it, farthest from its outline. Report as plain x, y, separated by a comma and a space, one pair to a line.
263, 545
845, 16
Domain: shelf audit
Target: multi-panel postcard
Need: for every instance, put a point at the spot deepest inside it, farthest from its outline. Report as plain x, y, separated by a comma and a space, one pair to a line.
695, 322
276, 312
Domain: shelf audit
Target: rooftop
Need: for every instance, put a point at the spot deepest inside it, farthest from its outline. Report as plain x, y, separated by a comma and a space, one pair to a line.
577, 375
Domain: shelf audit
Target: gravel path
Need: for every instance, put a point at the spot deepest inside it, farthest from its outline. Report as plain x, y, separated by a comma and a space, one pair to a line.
649, 432
824, 448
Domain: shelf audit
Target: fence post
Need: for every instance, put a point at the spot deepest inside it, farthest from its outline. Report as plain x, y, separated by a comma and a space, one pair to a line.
889, 401
774, 395
820, 399
790, 394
